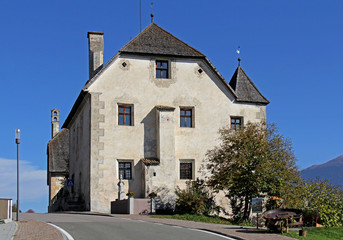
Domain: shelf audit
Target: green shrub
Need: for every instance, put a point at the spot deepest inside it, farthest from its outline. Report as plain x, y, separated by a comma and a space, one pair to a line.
195, 199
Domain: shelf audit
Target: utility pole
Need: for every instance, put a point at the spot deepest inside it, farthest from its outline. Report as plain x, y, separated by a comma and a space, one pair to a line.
17, 141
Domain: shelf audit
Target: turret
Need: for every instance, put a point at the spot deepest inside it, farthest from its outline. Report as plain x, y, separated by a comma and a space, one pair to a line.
55, 122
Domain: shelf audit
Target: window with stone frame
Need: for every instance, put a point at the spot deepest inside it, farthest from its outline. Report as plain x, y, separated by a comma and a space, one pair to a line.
125, 114
186, 170
162, 69
236, 122
186, 117
125, 169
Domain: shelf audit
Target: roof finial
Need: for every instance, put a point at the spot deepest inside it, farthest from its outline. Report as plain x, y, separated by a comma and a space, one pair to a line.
238, 51
152, 13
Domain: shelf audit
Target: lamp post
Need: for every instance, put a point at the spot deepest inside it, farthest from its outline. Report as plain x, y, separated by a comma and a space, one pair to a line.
17, 141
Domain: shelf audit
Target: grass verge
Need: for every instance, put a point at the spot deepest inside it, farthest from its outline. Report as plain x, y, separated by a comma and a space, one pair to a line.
333, 233
205, 219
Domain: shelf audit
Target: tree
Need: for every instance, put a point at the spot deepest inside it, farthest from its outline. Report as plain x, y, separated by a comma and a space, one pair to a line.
326, 200
252, 161
14, 207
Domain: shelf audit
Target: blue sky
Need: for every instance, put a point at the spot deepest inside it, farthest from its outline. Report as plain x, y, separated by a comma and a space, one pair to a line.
291, 49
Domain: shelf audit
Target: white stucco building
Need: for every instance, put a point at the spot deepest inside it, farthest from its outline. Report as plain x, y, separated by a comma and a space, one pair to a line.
151, 114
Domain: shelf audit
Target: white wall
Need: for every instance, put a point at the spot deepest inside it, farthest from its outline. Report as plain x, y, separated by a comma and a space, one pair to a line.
79, 148
135, 84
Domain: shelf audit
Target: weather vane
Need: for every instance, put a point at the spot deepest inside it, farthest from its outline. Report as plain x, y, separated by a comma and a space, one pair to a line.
238, 51
152, 12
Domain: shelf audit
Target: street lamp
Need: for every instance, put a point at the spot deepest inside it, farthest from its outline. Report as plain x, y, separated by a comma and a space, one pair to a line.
17, 141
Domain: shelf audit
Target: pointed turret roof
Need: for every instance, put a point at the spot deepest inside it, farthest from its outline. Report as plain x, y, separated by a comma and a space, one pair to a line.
245, 89
155, 40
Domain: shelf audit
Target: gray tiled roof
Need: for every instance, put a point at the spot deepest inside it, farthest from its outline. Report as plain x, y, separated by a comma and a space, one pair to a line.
245, 89
58, 152
155, 40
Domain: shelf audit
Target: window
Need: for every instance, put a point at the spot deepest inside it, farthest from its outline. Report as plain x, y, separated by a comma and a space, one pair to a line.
236, 122
125, 115
186, 117
162, 69
125, 170
186, 170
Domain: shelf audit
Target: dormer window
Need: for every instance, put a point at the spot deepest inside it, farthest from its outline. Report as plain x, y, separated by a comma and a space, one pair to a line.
162, 70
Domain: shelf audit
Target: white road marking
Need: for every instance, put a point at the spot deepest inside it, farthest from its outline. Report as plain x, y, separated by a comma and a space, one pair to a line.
141, 221
199, 230
65, 233
177, 227
216, 234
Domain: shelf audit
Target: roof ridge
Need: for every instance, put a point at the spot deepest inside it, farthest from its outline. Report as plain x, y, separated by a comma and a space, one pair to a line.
156, 40
195, 50
238, 75
144, 30
57, 135
221, 77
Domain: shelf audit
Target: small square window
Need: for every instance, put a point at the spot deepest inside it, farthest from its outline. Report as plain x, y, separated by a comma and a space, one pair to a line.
125, 170
186, 117
236, 122
186, 171
125, 115
162, 70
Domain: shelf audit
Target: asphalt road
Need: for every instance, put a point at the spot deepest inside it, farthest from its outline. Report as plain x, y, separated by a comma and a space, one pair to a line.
93, 227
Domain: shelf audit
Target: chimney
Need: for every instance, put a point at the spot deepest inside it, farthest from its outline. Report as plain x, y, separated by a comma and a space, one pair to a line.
55, 122
96, 52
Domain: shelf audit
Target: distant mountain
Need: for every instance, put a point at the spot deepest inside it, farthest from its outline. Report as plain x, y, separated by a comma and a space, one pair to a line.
331, 170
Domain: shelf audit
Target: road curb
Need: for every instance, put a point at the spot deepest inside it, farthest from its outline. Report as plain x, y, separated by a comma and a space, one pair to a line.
16, 228
87, 213
65, 234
